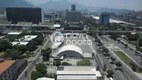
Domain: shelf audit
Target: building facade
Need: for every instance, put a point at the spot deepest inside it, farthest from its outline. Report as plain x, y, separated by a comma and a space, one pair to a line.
73, 16
7, 69
73, 7
34, 15
104, 18
10, 69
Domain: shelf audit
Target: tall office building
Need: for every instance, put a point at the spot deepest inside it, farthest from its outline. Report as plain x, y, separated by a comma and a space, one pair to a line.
73, 15
27, 14
73, 7
104, 18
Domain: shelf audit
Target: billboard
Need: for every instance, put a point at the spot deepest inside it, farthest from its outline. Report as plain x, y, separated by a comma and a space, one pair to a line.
23, 14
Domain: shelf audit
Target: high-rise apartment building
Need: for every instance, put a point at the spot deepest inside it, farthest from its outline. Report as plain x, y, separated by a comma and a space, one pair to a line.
104, 18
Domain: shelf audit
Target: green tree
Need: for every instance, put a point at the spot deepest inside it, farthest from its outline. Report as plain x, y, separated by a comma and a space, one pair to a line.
5, 45
84, 62
105, 50
57, 63
41, 68
35, 75
21, 48
112, 58
46, 54
132, 37
32, 45
39, 39
12, 54
118, 64
109, 73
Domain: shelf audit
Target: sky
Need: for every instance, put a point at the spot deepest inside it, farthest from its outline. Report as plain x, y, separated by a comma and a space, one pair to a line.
119, 4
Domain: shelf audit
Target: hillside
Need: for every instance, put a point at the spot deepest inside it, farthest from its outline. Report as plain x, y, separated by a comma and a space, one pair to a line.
60, 5
15, 3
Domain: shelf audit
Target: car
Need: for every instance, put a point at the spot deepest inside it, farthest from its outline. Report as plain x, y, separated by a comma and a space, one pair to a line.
112, 62
136, 54
118, 68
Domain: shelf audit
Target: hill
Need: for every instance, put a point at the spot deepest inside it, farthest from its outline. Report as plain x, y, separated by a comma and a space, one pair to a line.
60, 5
15, 3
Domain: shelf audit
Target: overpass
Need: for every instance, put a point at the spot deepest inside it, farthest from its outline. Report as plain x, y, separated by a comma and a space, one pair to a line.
79, 31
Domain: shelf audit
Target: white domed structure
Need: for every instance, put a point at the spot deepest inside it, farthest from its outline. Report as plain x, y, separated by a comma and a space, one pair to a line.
44, 78
70, 51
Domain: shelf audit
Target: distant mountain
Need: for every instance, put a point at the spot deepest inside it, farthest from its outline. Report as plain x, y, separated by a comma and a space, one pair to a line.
15, 3
65, 4
61, 5
115, 10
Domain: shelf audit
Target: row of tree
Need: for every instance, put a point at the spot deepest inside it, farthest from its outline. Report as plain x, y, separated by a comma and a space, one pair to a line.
40, 71
46, 54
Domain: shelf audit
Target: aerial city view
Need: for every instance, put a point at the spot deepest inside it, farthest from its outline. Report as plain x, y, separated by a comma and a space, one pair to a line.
70, 40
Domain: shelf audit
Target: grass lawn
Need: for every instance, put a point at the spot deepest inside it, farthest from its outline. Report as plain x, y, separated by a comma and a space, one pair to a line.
122, 56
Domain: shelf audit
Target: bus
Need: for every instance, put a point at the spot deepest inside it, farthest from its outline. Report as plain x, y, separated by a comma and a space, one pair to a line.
110, 78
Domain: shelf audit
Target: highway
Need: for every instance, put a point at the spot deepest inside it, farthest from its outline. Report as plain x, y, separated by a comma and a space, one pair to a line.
118, 75
75, 31
127, 72
131, 53
31, 65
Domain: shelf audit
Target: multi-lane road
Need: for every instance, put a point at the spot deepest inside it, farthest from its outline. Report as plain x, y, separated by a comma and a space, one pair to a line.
118, 75
130, 52
75, 31
127, 72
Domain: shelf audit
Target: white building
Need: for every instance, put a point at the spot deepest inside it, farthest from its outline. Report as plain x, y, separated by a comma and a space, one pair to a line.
56, 26
44, 78
71, 51
14, 33
78, 73
25, 40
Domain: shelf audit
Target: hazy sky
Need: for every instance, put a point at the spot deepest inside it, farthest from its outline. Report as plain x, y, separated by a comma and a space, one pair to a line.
121, 4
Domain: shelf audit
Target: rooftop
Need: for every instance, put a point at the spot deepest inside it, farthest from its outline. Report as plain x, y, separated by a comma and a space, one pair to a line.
29, 37
25, 40
78, 73
14, 33
56, 25
4, 64
77, 77
19, 43
44, 78
71, 48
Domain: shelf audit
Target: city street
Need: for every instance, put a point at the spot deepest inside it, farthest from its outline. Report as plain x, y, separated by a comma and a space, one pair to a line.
118, 75
130, 53
32, 64
127, 72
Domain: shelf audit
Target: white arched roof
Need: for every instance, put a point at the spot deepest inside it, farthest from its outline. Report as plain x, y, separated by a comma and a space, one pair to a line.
70, 48
44, 78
